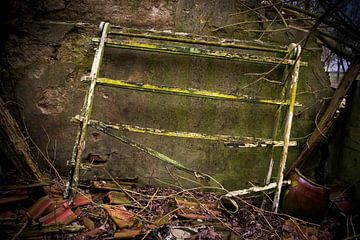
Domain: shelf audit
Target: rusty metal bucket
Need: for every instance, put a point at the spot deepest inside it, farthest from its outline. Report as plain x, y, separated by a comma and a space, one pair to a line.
304, 198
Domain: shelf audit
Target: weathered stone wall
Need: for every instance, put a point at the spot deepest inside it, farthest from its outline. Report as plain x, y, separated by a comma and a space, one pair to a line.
349, 160
48, 60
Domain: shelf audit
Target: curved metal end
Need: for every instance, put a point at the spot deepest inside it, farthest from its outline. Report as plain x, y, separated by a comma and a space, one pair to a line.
294, 49
228, 204
101, 27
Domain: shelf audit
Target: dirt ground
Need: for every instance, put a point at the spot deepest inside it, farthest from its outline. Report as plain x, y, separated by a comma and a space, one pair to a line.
120, 210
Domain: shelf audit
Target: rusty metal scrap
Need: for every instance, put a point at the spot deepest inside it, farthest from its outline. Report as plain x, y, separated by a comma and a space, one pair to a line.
296, 52
190, 38
81, 200
39, 207
75, 162
196, 52
62, 215
196, 93
229, 140
11, 196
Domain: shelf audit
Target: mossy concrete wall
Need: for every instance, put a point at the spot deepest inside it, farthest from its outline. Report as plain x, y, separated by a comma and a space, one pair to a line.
349, 161
49, 61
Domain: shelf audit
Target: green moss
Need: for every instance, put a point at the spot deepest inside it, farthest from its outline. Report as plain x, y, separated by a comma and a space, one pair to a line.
135, 4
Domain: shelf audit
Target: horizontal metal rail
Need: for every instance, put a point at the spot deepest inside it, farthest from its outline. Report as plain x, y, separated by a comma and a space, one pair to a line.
194, 39
229, 140
142, 148
185, 92
196, 52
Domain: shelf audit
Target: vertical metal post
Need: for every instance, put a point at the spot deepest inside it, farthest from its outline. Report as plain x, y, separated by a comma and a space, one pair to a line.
275, 136
288, 124
278, 118
79, 146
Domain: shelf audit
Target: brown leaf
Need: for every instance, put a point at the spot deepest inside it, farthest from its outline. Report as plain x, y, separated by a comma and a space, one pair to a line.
127, 234
89, 224
122, 217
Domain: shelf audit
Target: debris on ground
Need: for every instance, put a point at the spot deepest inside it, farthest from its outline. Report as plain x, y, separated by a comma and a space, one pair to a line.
150, 213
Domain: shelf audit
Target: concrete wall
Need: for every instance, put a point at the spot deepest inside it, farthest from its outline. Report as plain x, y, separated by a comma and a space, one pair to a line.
49, 60
349, 161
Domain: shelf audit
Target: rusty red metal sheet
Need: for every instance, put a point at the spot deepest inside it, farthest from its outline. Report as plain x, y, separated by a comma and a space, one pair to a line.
11, 199
39, 207
81, 200
62, 215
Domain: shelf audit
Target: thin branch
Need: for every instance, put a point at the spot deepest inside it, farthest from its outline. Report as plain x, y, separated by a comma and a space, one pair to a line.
279, 13
20, 230
258, 21
148, 203
262, 34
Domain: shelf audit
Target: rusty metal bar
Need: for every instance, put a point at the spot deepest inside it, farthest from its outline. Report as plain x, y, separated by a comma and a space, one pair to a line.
185, 92
181, 37
196, 52
276, 132
254, 189
293, 87
229, 140
141, 147
79, 146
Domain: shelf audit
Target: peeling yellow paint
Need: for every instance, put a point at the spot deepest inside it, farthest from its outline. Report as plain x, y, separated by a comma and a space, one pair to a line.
197, 52
187, 92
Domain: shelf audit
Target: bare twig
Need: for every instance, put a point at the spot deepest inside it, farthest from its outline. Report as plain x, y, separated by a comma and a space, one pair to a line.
298, 227
20, 230
268, 223
148, 203
352, 237
277, 214
262, 34
279, 13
